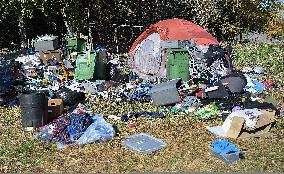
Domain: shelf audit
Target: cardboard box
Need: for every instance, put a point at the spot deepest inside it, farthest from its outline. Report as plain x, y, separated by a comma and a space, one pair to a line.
46, 55
47, 44
55, 109
263, 125
237, 129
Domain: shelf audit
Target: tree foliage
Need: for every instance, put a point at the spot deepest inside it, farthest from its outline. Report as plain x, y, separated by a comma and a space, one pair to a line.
223, 18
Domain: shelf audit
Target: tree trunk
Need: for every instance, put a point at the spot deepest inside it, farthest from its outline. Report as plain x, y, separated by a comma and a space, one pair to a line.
22, 32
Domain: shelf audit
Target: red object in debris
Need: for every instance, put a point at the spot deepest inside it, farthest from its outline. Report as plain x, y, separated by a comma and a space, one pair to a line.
177, 29
132, 124
199, 94
268, 84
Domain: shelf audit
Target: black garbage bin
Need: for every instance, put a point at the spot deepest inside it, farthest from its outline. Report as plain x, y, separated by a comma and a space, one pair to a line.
33, 109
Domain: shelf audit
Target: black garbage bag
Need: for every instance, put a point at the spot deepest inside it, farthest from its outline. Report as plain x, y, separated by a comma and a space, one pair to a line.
69, 97
235, 82
214, 53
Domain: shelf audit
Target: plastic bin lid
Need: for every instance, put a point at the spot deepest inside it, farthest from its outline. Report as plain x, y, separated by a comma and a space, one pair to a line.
143, 143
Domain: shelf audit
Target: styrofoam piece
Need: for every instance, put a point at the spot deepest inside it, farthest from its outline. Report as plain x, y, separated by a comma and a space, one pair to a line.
143, 143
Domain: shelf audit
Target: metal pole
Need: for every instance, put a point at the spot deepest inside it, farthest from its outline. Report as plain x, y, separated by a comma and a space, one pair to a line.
116, 39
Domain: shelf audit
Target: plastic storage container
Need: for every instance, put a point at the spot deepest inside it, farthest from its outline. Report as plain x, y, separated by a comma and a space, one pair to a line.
33, 109
225, 150
178, 64
47, 44
143, 143
166, 93
227, 158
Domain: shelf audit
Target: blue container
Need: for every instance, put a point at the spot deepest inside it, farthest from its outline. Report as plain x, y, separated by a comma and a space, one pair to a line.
225, 150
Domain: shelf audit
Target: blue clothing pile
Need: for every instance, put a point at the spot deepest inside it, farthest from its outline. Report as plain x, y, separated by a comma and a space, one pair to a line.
224, 147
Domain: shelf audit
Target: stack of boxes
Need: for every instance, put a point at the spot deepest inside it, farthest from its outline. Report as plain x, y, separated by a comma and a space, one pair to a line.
48, 48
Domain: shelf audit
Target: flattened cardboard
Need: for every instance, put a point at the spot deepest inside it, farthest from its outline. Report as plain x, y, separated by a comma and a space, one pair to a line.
238, 129
46, 55
263, 126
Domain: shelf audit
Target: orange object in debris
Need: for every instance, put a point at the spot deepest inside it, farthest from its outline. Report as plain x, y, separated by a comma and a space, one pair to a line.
65, 72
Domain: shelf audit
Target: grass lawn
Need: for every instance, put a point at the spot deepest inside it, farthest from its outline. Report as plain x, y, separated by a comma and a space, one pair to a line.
187, 144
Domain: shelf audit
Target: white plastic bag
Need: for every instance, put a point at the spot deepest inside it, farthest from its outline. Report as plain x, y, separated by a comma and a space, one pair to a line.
99, 131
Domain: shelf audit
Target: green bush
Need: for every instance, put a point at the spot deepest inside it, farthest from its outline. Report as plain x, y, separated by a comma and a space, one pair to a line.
267, 55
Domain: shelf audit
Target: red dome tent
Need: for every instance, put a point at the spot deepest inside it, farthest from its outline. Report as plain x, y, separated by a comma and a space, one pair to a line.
148, 57
177, 29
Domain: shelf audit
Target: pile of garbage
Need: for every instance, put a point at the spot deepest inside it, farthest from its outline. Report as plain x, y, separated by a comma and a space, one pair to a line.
58, 90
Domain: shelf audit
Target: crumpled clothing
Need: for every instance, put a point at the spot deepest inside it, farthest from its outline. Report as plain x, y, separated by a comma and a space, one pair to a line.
254, 87
224, 147
207, 112
66, 129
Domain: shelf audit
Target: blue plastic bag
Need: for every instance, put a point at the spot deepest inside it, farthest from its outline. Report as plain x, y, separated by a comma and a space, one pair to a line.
98, 131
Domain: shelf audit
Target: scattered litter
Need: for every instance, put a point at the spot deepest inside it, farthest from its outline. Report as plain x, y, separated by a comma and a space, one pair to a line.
144, 113
206, 113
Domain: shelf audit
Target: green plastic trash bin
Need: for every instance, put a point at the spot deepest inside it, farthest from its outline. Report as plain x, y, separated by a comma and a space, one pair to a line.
178, 64
76, 45
85, 66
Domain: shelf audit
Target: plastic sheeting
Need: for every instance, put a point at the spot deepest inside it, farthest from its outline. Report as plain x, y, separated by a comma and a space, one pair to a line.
147, 57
